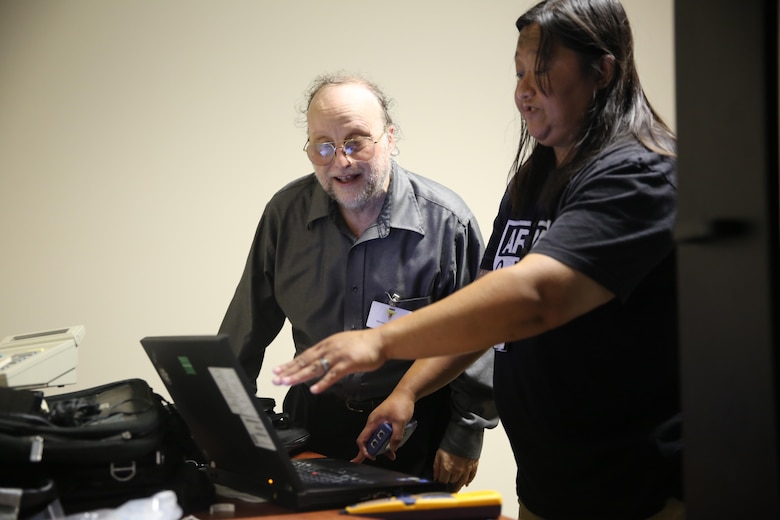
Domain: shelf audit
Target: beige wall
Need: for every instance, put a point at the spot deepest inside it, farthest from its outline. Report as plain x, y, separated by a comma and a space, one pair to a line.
140, 140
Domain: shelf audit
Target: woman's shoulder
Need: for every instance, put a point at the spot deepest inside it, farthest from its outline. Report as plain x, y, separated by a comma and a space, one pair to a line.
630, 155
631, 149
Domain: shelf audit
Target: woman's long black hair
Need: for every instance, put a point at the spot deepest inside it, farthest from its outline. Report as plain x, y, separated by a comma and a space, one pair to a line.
595, 30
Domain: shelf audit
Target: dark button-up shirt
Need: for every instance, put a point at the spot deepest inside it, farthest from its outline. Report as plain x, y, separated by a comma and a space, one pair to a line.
305, 266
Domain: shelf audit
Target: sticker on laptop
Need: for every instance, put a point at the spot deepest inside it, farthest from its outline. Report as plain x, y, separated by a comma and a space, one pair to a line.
240, 404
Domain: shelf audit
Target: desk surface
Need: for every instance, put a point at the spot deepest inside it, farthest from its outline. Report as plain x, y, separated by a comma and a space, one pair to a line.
269, 511
262, 510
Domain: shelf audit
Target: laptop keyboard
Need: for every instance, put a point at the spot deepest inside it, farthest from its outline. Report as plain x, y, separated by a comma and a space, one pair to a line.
312, 473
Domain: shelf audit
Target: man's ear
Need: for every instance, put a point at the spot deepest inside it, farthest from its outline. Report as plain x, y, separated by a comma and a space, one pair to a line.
391, 136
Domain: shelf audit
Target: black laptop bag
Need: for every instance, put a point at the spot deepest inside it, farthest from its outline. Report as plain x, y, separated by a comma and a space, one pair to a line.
103, 446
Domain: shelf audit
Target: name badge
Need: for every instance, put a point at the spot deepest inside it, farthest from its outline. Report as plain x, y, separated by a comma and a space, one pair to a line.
381, 313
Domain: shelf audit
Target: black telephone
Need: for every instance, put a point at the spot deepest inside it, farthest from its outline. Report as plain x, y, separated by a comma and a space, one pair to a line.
293, 438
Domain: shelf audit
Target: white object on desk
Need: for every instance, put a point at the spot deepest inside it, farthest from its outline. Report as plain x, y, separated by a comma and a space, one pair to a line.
40, 359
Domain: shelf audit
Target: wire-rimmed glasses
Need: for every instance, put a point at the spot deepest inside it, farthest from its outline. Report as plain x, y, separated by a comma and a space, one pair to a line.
356, 148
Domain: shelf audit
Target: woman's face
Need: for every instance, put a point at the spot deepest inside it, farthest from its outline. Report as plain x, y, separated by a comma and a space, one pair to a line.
554, 119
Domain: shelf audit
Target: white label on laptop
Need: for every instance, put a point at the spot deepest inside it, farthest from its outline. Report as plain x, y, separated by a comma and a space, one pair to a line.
380, 313
256, 430
238, 400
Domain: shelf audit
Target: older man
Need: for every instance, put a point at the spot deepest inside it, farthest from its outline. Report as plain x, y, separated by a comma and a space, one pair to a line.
353, 245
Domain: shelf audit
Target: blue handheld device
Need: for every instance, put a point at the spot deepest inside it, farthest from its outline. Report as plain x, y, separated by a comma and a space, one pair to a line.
380, 440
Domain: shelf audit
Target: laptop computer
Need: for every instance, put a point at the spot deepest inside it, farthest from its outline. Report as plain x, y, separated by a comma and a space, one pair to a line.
212, 395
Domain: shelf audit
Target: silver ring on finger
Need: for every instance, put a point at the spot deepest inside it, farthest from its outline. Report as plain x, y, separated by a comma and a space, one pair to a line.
325, 365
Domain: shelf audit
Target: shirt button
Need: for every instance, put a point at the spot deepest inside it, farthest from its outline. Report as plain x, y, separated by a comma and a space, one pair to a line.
354, 289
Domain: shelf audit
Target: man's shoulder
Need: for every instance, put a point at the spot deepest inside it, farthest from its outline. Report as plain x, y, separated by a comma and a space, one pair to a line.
437, 194
293, 190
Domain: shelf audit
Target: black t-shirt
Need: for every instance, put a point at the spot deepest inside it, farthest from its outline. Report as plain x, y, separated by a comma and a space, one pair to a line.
592, 408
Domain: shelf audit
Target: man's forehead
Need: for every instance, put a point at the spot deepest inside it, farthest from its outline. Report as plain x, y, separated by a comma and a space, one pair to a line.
345, 100
345, 93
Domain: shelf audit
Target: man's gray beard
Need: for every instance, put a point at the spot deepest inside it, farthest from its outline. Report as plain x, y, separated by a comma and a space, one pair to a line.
372, 191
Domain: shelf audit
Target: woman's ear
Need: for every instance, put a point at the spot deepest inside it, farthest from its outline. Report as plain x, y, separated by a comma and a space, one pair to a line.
607, 71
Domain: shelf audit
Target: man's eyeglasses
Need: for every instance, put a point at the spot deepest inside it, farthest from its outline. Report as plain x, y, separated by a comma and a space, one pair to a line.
357, 148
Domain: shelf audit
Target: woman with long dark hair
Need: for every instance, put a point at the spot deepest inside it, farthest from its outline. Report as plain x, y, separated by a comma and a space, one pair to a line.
578, 298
